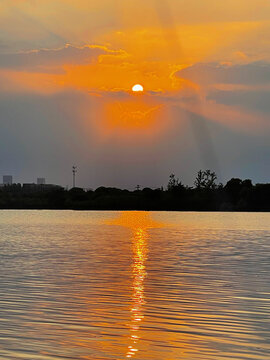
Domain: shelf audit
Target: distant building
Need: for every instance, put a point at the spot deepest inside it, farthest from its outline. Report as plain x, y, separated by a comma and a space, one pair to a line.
7, 180
32, 187
40, 181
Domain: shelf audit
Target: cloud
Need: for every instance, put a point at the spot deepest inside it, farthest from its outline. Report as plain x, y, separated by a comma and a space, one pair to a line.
215, 73
234, 95
36, 60
248, 99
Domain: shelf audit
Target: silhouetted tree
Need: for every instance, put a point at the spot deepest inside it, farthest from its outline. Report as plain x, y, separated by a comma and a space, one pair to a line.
173, 182
233, 188
236, 195
206, 180
247, 183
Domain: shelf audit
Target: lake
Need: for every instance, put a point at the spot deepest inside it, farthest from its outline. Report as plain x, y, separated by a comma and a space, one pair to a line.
134, 285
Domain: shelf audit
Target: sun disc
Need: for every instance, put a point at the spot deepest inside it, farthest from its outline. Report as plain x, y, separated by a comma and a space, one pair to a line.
137, 88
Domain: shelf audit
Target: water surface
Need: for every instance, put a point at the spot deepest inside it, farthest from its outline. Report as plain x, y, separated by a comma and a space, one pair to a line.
134, 285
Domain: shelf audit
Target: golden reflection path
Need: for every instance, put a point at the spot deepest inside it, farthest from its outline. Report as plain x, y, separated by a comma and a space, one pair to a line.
139, 222
140, 250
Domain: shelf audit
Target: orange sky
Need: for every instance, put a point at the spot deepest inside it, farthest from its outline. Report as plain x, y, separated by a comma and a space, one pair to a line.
102, 49
139, 42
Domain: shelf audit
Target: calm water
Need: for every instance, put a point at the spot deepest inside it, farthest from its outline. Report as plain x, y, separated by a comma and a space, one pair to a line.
134, 285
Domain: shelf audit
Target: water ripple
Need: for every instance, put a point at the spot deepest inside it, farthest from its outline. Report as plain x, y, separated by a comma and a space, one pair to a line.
109, 285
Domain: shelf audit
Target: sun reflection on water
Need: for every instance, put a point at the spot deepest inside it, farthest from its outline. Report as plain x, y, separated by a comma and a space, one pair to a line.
139, 222
139, 245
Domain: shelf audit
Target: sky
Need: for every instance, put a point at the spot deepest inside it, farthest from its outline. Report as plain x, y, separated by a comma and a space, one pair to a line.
66, 73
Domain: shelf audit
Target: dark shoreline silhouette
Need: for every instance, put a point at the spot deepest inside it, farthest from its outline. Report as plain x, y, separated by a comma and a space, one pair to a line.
205, 195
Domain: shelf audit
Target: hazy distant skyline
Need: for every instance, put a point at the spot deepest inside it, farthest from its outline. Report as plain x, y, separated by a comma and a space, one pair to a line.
66, 73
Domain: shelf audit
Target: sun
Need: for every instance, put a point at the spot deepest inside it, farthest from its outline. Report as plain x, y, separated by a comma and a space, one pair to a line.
137, 88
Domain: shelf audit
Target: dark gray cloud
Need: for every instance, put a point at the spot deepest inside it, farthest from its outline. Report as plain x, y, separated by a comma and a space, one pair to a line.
213, 73
50, 58
25, 27
251, 100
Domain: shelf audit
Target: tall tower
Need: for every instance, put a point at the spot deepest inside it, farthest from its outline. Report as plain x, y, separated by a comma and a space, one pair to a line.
74, 171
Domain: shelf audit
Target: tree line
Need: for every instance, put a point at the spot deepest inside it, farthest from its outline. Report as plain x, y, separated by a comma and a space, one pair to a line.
205, 195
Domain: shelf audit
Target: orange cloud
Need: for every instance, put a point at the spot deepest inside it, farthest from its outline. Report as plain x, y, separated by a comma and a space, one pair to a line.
132, 56
153, 56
